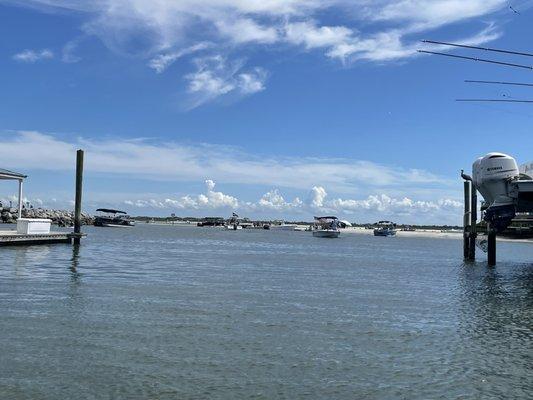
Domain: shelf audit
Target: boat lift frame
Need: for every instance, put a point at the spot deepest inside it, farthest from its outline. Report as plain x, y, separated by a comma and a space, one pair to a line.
520, 190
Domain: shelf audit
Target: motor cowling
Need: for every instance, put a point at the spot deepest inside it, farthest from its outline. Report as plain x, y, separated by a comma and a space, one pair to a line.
491, 175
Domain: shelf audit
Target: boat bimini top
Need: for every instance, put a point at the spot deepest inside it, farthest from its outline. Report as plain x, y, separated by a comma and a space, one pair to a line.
326, 218
386, 223
110, 211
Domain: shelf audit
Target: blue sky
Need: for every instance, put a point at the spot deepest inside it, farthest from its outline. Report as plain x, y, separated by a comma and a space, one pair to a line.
280, 108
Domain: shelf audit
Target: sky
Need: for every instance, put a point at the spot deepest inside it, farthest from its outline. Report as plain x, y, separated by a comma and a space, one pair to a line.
269, 108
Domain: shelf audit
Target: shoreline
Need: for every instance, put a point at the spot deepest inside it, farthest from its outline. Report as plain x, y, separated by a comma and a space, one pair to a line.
425, 233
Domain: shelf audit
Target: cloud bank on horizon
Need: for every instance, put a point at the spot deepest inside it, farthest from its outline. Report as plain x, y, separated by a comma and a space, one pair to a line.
216, 35
381, 187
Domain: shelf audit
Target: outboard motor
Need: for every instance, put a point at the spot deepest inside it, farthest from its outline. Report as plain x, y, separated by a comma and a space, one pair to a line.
492, 176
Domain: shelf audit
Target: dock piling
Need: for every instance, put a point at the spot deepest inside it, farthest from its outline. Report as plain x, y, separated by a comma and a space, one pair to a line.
467, 220
77, 205
473, 224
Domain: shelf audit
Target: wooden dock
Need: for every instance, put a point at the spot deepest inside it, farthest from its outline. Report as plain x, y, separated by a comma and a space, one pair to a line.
12, 238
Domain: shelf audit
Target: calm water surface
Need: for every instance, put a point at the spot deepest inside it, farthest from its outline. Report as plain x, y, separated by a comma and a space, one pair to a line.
162, 312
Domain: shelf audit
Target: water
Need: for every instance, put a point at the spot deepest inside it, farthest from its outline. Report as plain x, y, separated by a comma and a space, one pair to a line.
162, 312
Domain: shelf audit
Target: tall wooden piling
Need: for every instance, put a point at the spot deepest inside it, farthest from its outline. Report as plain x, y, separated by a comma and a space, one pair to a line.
77, 204
467, 218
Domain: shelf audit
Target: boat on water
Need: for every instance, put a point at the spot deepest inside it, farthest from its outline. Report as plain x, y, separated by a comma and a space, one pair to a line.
233, 227
385, 228
326, 227
212, 221
236, 223
110, 218
282, 226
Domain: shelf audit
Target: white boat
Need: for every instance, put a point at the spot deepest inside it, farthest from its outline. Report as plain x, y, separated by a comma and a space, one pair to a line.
326, 233
282, 226
326, 227
235, 223
233, 227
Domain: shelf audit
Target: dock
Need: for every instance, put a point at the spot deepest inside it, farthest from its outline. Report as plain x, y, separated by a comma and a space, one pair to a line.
12, 238
41, 234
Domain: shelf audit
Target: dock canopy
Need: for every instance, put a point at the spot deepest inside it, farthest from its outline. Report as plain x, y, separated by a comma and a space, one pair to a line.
111, 211
6, 174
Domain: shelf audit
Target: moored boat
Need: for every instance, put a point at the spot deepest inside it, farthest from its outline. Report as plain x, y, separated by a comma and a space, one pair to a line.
111, 218
385, 228
282, 226
326, 227
236, 223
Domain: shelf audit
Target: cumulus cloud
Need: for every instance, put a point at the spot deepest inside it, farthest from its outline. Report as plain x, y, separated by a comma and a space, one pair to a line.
273, 204
32, 56
210, 200
273, 200
317, 196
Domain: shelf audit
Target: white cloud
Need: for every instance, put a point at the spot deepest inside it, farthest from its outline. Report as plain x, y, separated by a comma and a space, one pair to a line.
32, 56
210, 200
68, 52
163, 31
377, 30
382, 190
317, 196
215, 76
177, 162
274, 201
434, 13
162, 61
273, 204
246, 30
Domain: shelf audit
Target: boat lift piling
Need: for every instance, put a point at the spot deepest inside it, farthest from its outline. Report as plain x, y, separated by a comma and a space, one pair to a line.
470, 225
473, 223
469, 219
491, 246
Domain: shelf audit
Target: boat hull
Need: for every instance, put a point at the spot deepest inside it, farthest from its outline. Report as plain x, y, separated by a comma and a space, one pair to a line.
131, 225
107, 222
283, 227
233, 227
323, 233
384, 233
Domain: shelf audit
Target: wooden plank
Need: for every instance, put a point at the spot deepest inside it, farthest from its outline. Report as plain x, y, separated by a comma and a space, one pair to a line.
9, 238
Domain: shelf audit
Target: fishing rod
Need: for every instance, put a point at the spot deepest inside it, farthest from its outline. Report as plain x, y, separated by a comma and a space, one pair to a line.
477, 59
500, 83
517, 53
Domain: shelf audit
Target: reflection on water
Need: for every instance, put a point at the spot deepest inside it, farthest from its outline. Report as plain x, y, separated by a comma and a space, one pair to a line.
169, 312
75, 260
496, 321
